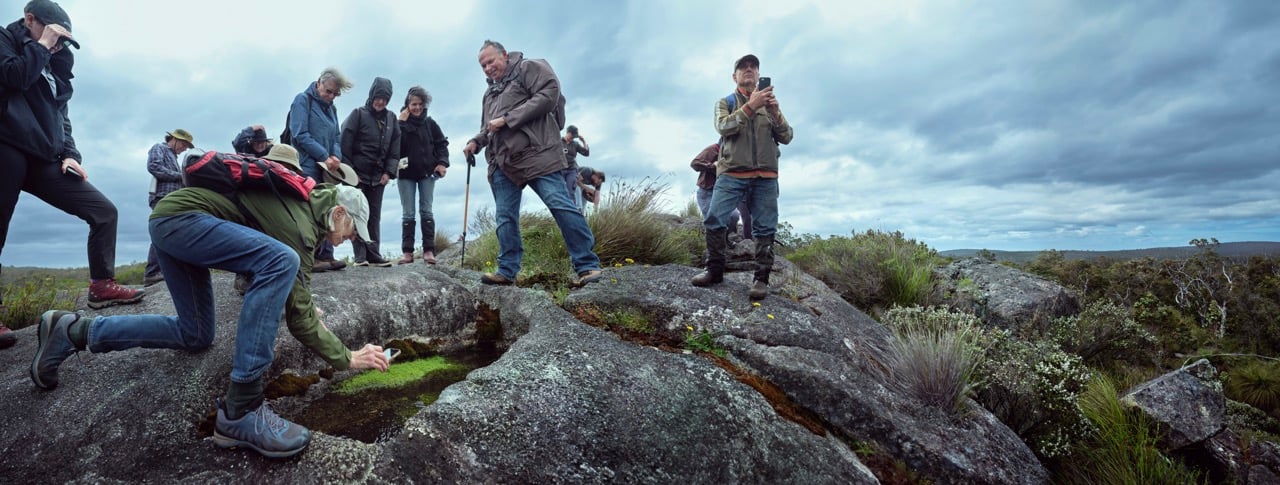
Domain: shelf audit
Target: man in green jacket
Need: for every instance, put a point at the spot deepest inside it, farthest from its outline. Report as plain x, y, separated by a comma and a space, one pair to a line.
751, 126
195, 229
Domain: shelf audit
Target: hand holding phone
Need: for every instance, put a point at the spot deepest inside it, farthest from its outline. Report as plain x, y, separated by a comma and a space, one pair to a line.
391, 354
765, 82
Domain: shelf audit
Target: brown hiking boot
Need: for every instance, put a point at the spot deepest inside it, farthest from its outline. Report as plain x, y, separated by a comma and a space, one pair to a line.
429, 257
759, 290
105, 293
406, 259
495, 279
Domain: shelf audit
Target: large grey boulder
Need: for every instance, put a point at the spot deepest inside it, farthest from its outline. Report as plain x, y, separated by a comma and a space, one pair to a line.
566, 403
1186, 404
1002, 296
823, 354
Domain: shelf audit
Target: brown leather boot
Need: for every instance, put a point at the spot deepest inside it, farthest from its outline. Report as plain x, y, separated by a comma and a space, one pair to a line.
406, 259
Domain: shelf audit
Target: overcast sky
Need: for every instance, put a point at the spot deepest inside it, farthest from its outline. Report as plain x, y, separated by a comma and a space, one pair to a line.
1014, 125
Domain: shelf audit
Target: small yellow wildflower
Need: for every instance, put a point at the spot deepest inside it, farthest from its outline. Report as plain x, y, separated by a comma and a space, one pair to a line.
770, 315
617, 265
630, 261
755, 304
689, 327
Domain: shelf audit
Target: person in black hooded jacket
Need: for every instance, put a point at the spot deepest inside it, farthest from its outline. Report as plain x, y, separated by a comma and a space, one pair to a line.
371, 142
426, 152
37, 152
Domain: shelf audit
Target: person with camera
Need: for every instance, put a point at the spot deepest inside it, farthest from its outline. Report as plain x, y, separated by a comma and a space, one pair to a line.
37, 152
572, 148
195, 230
519, 132
426, 159
751, 126
166, 177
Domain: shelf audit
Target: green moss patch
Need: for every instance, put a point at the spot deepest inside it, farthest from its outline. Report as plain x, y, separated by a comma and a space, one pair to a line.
397, 375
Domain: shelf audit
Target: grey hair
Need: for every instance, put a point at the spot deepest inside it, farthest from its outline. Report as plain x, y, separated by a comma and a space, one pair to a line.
333, 74
494, 44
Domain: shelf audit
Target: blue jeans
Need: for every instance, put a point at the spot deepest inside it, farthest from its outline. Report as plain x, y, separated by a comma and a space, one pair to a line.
426, 188
571, 182
187, 246
573, 226
762, 201
704, 205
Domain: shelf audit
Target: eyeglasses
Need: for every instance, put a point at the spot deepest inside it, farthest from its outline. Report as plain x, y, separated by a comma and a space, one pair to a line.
332, 92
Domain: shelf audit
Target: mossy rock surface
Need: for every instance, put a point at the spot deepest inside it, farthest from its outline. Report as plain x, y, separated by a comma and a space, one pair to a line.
399, 374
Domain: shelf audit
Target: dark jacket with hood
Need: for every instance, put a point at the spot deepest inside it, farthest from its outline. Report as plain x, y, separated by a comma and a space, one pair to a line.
422, 142
371, 140
527, 96
32, 118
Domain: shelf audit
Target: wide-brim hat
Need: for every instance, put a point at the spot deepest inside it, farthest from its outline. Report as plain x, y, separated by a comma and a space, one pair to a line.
183, 135
259, 136
343, 175
285, 155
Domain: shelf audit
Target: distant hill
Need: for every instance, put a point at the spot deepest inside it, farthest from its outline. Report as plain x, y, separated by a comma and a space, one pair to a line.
1231, 249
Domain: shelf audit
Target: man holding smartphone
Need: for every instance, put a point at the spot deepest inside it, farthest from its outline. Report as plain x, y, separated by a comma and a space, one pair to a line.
751, 127
37, 153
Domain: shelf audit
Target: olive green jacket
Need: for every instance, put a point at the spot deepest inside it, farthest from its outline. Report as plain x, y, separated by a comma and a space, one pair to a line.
749, 143
303, 232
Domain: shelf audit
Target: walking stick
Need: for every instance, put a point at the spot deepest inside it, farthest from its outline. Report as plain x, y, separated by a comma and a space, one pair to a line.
466, 203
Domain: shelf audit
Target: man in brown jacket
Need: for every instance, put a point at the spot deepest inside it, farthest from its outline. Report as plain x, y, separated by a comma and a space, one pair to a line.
520, 129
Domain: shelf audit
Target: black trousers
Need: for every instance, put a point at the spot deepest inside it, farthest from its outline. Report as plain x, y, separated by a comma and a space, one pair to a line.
68, 192
373, 193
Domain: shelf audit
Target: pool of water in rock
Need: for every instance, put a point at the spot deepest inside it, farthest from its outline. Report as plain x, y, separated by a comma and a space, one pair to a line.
375, 415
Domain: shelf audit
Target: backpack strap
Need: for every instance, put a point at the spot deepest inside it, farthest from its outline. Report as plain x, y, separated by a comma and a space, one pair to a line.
732, 102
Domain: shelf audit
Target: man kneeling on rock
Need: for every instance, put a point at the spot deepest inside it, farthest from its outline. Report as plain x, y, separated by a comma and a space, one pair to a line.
195, 229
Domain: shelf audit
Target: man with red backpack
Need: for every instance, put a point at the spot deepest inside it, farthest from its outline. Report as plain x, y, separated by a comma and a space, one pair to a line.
195, 229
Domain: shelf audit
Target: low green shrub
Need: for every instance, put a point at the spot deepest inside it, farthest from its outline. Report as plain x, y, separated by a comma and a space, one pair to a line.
873, 270
1033, 388
934, 355
1103, 334
27, 298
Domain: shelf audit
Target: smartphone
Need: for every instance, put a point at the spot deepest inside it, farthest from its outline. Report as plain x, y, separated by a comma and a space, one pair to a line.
391, 354
765, 82
73, 172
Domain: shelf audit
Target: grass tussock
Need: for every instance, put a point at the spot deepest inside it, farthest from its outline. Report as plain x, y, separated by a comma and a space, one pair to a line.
629, 226
1121, 449
1257, 384
935, 355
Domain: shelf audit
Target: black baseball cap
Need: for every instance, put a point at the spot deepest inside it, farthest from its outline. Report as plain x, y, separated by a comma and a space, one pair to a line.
49, 12
749, 58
